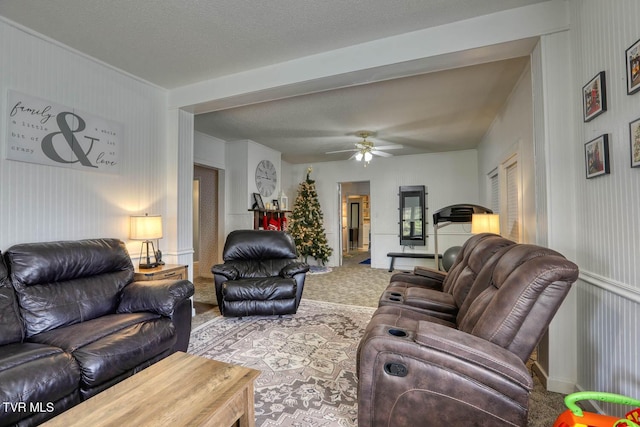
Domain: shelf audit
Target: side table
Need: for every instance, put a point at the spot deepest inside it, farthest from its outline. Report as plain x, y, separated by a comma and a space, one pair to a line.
161, 272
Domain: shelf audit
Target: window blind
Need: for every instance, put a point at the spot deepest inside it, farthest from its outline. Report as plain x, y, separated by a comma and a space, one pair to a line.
494, 197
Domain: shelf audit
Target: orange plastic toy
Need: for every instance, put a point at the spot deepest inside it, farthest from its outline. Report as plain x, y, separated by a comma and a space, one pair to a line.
575, 417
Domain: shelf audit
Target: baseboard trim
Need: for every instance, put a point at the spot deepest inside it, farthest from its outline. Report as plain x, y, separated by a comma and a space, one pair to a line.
552, 384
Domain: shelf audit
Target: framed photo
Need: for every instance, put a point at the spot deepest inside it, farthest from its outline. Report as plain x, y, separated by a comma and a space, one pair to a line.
596, 155
594, 97
275, 204
632, 56
634, 142
257, 202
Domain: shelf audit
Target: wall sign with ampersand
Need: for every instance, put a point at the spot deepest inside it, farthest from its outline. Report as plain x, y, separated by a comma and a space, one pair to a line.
47, 133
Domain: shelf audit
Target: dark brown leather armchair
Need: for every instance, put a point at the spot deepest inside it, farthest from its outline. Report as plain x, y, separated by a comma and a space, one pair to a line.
415, 369
260, 274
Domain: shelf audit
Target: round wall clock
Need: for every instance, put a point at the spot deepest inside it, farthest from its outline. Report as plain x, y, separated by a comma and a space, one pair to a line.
266, 178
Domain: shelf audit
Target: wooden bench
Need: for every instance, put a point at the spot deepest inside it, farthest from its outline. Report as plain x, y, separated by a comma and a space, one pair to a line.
394, 255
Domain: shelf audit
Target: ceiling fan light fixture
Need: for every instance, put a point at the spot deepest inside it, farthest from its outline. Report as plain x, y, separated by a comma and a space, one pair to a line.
365, 149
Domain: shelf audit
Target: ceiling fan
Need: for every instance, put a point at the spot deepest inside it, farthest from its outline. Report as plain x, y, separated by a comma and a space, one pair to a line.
365, 150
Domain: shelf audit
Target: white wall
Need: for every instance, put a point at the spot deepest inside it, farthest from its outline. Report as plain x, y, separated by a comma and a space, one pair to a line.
208, 151
450, 178
512, 132
608, 207
40, 203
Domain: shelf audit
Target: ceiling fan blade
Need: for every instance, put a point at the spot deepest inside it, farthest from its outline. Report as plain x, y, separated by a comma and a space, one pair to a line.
341, 151
388, 147
381, 153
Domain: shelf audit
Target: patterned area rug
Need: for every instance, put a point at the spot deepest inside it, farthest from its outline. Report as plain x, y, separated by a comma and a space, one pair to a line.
307, 361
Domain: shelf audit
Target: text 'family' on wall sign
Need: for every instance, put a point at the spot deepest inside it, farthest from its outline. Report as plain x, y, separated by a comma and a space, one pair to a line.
43, 132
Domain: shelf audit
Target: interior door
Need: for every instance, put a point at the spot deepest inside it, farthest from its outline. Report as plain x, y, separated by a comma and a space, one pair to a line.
354, 225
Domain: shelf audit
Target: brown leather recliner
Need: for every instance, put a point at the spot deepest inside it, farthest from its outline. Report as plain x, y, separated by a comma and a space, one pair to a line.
260, 275
430, 278
444, 303
416, 369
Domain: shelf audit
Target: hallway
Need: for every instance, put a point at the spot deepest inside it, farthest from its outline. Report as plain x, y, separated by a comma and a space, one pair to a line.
353, 258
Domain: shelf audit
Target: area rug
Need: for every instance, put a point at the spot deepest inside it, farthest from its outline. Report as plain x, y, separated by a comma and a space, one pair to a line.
366, 261
307, 361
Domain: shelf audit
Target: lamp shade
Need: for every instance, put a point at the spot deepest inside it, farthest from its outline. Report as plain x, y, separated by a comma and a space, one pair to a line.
485, 223
146, 227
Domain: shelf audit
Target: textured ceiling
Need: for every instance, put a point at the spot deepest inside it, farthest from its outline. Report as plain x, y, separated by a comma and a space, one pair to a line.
175, 43
442, 111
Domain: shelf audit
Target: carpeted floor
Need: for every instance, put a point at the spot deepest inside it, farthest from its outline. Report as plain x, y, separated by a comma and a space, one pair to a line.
359, 285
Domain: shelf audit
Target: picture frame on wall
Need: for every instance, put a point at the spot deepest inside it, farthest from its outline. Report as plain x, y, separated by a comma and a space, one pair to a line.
632, 55
596, 156
257, 202
634, 142
594, 97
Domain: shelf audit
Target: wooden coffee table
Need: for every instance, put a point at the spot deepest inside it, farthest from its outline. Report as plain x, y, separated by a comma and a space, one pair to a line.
180, 390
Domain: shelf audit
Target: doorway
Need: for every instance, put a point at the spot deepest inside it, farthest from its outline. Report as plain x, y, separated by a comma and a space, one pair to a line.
205, 220
355, 223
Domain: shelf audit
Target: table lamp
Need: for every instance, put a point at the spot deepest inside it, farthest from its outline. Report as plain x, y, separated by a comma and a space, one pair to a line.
485, 223
145, 227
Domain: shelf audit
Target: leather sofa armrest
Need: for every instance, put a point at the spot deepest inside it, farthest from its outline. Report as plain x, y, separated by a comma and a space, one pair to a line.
429, 273
483, 354
294, 268
226, 270
156, 296
434, 365
423, 277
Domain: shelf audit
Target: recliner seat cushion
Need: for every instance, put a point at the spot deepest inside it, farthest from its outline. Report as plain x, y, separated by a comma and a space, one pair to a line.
259, 289
112, 345
36, 373
259, 308
258, 267
262, 296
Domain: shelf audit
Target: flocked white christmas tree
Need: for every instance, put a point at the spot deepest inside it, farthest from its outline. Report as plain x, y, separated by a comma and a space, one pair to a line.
306, 224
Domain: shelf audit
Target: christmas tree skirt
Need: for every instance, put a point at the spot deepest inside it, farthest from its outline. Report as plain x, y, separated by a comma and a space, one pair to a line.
319, 269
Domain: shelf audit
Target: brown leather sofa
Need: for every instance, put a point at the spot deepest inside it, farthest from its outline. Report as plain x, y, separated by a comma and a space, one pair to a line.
449, 295
416, 369
260, 274
430, 278
73, 323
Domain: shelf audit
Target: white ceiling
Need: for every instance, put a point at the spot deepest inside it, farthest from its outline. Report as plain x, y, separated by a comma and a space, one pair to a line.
174, 43
441, 111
